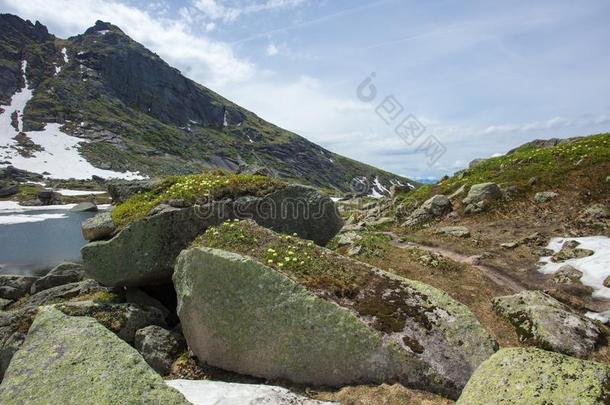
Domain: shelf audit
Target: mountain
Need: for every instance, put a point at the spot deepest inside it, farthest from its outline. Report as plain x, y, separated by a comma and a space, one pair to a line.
133, 113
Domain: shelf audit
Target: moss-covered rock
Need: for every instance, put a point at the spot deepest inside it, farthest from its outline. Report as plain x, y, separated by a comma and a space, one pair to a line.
145, 251
536, 377
122, 319
75, 360
541, 320
330, 321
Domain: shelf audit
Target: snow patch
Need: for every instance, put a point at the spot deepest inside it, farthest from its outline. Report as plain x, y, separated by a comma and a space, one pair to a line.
596, 316
225, 119
64, 52
595, 268
206, 392
24, 218
103, 32
60, 157
7, 207
67, 192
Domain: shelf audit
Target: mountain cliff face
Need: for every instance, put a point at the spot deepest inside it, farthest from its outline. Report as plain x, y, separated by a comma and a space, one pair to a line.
136, 113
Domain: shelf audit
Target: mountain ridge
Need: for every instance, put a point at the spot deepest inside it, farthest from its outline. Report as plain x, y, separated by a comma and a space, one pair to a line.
139, 114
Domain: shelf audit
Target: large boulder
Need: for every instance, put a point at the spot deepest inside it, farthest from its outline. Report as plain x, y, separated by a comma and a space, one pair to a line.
13, 287
7, 190
340, 323
121, 190
205, 392
541, 320
76, 360
63, 273
98, 227
480, 197
537, 377
159, 347
144, 252
435, 207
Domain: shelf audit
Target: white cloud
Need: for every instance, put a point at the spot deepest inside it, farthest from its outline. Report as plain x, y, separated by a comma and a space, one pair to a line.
231, 11
272, 50
210, 62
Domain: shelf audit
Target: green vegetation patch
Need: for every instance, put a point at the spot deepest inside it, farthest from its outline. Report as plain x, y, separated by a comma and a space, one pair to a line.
347, 282
194, 189
548, 165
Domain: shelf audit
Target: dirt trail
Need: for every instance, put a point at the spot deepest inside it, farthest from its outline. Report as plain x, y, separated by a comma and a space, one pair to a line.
493, 274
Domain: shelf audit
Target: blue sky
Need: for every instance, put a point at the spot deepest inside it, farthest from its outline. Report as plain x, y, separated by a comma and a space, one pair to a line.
482, 77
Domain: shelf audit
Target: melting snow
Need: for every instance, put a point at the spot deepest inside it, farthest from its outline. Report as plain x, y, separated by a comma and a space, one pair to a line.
7, 207
595, 268
24, 218
103, 32
60, 157
77, 192
64, 52
206, 392
225, 122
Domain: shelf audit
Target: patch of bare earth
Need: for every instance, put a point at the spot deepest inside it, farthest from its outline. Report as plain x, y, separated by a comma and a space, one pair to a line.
381, 395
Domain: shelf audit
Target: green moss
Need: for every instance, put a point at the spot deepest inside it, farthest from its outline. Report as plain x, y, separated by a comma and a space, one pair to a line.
548, 165
373, 244
194, 188
321, 270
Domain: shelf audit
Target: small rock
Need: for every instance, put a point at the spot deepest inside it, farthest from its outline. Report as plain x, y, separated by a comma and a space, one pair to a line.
382, 221
435, 207
596, 211
457, 231
159, 347
139, 297
348, 238
15, 287
569, 250
545, 196
64, 292
567, 275
480, 196
354, 250
84, 207
64, 273
122, 319
510, 245
607, 282
177, 203
8, 190
49, 197
532, 181
99, 227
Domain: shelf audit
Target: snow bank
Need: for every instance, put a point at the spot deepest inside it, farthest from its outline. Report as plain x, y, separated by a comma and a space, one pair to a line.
60, 157
24, 218
205, 392
595, 268
67, 192
13, 206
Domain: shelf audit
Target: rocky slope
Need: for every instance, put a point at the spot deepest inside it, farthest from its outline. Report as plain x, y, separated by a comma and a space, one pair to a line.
139, 114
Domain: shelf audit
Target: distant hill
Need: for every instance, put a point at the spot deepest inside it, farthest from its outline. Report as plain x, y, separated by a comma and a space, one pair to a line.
139, 114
